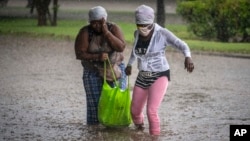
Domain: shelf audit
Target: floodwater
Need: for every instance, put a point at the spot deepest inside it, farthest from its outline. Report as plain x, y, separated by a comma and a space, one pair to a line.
42, 96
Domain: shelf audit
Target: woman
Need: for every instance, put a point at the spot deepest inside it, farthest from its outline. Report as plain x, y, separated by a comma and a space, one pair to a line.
151, 84
94, 44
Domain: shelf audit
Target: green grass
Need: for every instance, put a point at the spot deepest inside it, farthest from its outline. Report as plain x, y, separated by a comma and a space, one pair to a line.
69, 28
211, 46
29, 26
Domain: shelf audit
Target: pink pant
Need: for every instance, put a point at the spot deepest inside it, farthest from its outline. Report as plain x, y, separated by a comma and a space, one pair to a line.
153, 96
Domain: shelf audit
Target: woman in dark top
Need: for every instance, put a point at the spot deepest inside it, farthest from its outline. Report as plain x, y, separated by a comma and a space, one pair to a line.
94, 44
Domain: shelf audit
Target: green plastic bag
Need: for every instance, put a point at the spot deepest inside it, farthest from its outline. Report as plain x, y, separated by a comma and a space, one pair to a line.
114, 105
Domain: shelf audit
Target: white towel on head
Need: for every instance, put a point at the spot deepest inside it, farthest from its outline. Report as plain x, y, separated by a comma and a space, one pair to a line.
97, 13
144, 15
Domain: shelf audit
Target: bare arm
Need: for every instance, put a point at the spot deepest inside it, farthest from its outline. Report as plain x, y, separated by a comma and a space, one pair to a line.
81, 46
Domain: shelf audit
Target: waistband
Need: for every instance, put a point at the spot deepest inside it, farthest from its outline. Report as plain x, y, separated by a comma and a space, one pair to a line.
155, 74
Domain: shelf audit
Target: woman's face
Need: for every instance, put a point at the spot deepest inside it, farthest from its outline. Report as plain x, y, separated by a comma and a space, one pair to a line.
144, 29
96, 25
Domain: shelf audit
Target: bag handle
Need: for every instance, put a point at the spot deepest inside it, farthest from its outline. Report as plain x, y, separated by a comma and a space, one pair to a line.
113, 73
112, 70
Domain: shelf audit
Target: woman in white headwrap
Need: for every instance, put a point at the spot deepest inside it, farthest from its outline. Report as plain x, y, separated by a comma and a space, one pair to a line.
93, 45
151, 84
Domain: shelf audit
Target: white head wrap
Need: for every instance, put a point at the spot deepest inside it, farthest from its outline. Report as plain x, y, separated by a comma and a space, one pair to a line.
144, 15
97, 13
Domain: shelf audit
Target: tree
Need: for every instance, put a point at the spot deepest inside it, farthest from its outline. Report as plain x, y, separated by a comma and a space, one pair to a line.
3, 3
55, 8
161, 13
224, 20
42, 7
43, 13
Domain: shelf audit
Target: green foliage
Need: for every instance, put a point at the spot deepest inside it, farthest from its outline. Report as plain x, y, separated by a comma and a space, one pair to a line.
223, 20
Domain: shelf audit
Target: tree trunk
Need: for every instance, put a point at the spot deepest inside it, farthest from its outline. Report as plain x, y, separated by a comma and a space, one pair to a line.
55, 8
161, 13
42, 7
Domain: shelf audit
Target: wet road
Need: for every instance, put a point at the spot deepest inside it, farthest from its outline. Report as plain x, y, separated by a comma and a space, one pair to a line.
42, 97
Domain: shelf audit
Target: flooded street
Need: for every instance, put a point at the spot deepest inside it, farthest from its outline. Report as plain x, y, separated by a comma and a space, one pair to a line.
42, 97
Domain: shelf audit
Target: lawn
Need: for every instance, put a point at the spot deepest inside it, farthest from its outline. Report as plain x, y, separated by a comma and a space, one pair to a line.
69, 28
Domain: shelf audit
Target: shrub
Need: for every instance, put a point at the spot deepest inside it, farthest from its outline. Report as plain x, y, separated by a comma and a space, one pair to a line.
224, 20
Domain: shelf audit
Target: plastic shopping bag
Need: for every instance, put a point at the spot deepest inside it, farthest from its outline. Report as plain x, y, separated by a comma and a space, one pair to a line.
114, 106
